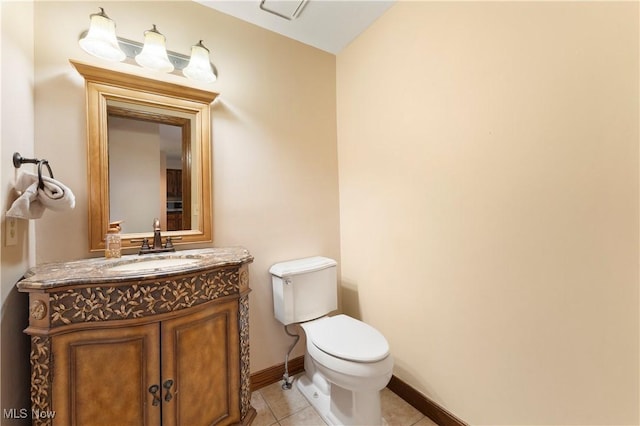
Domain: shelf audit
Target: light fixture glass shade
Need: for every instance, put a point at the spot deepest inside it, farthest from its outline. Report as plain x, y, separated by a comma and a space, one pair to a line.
154, 53
199, 67
101, 38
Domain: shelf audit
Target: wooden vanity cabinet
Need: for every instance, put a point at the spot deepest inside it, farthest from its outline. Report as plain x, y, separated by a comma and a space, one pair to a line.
170, 351
101, 376
199, 356
107, 376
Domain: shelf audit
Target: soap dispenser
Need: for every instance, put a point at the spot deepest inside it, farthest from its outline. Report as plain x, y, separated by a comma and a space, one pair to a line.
113, 242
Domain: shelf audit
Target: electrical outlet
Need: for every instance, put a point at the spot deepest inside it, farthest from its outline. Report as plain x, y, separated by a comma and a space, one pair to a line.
11, 231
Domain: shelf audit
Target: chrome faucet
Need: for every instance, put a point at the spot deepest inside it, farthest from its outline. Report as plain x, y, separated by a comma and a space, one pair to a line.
157, 241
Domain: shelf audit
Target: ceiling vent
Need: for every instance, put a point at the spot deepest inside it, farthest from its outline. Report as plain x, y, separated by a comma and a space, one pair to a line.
287, 9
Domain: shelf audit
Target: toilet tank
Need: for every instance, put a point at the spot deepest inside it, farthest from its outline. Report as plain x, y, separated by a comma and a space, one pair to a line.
304, 289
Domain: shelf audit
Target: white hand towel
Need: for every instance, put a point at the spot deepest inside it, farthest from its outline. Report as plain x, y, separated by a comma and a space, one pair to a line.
33, 201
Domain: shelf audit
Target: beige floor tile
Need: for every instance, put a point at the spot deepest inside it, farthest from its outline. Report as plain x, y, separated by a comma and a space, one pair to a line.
306, 417
426, 421
396, 411
290, 408
283, 403
264, 415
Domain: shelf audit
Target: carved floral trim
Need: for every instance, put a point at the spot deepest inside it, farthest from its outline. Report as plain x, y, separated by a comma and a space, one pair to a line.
40, 359
106, 303
244, 278
37, 310
245, 382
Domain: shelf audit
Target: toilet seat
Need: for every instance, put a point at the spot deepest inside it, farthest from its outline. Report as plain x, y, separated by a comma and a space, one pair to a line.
349, 339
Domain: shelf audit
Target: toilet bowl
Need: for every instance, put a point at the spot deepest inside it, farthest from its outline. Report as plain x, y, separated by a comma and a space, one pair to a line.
346, 362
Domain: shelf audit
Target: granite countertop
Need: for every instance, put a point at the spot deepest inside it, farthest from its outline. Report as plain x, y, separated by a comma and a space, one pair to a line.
101, 270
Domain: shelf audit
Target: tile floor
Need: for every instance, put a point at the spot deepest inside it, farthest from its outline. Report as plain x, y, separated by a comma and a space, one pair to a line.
276, 406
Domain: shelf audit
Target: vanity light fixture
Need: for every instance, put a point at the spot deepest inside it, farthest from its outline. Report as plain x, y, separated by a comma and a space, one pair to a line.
154, 53
199, 67
101, 41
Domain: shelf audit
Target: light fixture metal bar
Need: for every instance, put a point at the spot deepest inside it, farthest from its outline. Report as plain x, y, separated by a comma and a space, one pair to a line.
131, 48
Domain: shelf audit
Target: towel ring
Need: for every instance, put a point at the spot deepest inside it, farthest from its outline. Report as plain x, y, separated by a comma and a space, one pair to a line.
19, 160
40, 181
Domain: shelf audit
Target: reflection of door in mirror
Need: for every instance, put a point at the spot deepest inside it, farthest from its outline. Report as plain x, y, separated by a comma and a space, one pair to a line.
174, 197
146, 161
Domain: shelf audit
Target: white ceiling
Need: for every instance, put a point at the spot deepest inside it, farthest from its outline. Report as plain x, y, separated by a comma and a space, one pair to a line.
329, 25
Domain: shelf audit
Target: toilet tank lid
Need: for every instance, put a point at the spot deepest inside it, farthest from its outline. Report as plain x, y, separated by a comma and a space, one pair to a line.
301, 266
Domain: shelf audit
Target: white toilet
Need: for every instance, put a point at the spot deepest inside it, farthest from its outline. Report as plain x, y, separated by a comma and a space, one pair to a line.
347, 362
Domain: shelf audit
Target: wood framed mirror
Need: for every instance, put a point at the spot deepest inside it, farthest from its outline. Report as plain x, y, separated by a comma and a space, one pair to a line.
149, 155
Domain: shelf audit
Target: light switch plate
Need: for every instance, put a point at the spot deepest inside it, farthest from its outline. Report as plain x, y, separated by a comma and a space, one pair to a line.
11, 231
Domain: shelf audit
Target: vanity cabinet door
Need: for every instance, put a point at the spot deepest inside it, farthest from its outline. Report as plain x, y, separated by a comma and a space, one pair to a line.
201, 367
102, 376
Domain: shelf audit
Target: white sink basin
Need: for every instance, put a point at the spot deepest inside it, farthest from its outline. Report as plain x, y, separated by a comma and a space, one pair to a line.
151, 264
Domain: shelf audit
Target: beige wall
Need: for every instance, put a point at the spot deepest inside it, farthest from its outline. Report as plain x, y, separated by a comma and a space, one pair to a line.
16, 135
274, 141
274, 148
488, 187
135, 168
488, 163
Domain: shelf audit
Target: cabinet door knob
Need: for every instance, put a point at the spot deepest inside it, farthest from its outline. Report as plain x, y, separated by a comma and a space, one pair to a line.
153, 390
167, 385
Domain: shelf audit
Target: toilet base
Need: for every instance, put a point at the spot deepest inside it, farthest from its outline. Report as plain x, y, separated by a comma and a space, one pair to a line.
342, 407
318, 400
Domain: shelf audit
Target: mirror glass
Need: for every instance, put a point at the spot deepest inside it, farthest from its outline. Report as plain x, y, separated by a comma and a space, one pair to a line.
149, 156
150, 153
